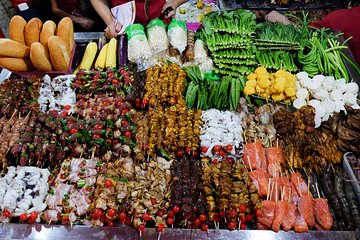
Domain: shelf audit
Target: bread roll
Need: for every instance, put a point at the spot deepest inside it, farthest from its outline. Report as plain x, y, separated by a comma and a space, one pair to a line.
32, 31
17, 29
40, 57
11, 48
59, 55
16, 64
48, 30
65, 30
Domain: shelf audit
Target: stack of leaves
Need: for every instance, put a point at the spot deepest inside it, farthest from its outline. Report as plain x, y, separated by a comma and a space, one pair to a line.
230, 35
275, 44
204, 93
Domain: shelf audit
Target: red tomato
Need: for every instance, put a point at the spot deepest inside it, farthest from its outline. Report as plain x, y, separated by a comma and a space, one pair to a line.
243, 226
179, 153
98, 127
30, 220
96, 76
67, 107
142, 228
110, 224
127, 134
160, 227
217, 148
229, 147
171, 214
106, 103
125, 111
119, 103
197, 222
153, 201
96, 136
204, 149
195, 153
259, 213
34, 215
122, 215
242, 219
110, 74
146, 217
23, 217
64, 113
176, 209
97, 213
232, 213
122, 71
115, 81
222, 214
222, 153
108, 183
124, 123
188, 150
204, 227
6, 213
215, 161
69, 123
111, 212
202, 217
230, 160
242, 208
170, 221
160, 213
145, 102
73, 131
109, 140
248, 217
232, 226
93, 85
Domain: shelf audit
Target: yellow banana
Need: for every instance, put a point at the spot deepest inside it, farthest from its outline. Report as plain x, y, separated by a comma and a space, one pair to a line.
111, 54
88, 58
100, 61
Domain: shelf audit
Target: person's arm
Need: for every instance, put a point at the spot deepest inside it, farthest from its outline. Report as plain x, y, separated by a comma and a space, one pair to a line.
174, 4
85, 22
102, 8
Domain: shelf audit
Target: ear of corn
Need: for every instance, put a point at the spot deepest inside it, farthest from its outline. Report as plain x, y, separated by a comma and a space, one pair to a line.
101, 59
88, 58
111, 54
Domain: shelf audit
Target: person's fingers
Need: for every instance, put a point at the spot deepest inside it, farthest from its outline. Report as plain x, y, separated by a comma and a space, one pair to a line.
171, 14
118, 27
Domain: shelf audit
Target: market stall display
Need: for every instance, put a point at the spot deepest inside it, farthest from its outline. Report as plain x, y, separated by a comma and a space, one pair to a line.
161, 144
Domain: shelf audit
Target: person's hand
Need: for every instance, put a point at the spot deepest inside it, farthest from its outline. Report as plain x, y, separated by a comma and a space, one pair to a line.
84, 22
276, 17
172, 3
112, 30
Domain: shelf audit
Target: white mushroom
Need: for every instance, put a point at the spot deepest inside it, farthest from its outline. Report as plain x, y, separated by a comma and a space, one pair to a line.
318, 78
298, 103
302, 75
302, 93
336, 95
352, 87
322, 94
349, 98
328, 83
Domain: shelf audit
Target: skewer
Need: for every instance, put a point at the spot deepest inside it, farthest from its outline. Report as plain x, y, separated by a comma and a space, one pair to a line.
276, 191
159, 236
317, 189
309, 184
248, 158
271, 192
239, 224
299, 184
93, 153
267, 196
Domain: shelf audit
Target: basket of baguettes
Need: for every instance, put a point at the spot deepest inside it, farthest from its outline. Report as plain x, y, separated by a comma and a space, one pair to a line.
35, 47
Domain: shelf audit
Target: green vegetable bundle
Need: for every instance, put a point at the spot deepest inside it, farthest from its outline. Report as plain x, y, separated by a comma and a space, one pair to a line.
277, 60
203, 93
278, 36
230, 36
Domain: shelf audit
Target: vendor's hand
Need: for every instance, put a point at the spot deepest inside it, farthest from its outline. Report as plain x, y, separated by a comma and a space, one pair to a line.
276, 17
84, 22
172, 3
112, 31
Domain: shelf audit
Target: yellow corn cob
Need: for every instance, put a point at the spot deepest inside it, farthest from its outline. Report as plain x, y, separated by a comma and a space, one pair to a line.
88, 58
111, 54
100, 61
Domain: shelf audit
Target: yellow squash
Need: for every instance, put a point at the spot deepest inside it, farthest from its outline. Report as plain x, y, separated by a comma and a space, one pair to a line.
100, 61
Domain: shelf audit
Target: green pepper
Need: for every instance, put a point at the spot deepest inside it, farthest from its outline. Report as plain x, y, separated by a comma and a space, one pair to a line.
81, 183
165, 154
100, 141
99, 163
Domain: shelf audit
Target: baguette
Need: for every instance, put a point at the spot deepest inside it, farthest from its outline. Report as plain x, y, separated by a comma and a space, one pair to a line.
59, 55
47, 31
16, 64
32, 31
40, 57
12, 48
17, 29
65, 30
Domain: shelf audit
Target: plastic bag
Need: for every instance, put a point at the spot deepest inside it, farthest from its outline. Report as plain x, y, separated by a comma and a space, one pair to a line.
156, 35
178, 35
138, 47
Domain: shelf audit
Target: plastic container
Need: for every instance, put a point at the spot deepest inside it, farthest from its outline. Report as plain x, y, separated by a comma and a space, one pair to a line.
350, 172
